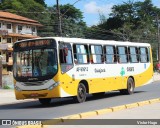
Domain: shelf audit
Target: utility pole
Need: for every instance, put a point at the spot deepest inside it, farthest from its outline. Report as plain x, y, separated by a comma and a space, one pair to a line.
0, 72
59, 20
158, 37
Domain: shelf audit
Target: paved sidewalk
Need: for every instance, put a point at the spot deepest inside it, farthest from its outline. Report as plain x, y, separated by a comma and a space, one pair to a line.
149, 112
7, 96
156, 76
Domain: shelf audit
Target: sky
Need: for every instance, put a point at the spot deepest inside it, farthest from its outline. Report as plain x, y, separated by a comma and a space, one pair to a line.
92, 8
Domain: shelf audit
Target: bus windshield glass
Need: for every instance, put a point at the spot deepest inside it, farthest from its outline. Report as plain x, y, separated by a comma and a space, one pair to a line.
35, 63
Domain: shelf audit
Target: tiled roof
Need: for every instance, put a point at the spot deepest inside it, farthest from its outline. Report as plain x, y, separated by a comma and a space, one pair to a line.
6, 16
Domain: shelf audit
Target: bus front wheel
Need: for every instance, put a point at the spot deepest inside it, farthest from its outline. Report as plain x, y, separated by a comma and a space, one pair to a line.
81, 93
130, 87
45, 101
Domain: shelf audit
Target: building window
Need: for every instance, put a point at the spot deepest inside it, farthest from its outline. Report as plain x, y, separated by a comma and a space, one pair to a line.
9, 26
9, 40
19, 27
28, 26
33, 29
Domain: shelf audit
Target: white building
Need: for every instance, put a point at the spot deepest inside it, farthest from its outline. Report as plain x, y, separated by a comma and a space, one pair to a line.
13, 28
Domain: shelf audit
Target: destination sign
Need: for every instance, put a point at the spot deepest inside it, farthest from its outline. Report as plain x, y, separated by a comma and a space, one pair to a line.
34, 43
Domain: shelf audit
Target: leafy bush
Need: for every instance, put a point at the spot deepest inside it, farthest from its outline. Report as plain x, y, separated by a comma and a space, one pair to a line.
6, 87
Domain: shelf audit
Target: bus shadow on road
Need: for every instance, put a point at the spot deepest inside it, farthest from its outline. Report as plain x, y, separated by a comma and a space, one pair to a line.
60, 102
109, 95
17, 105
57, 102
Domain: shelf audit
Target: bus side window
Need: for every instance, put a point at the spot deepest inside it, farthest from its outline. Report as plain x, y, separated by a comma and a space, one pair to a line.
122, 54
75, 54
144, 55
110, 54
81, 55
133, 54
62, 56
65, 57
96, 54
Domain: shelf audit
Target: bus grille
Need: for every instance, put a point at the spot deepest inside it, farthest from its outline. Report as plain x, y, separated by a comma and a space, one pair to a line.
37, 83
34, 95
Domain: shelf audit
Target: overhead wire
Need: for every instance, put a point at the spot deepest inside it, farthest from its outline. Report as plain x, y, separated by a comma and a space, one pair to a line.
94, 28
66, 26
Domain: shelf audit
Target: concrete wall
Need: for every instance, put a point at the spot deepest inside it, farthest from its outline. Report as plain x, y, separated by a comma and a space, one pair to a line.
7, 80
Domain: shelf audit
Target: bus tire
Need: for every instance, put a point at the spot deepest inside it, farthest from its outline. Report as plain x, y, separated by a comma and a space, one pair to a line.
99, 94
45, 101
130, 87
81, 93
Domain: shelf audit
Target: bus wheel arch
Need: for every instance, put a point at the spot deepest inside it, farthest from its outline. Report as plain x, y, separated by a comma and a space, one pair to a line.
130, 86
82, 90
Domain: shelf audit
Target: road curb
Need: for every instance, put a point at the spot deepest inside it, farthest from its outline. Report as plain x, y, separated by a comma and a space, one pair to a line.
93, 113
133, 105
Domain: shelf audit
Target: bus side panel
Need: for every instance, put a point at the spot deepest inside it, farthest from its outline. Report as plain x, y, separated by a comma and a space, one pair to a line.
68, 86
145, 77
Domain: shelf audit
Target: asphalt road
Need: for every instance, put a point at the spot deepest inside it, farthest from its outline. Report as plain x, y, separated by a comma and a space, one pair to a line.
66, 106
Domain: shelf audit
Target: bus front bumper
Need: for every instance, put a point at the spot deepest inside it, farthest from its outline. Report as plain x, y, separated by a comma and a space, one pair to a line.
35, 94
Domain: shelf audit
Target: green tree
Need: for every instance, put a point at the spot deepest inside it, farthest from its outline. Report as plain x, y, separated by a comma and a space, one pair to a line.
42, 2
50, 23
72, 18
70, 12
27, 8
135, 20
71, 21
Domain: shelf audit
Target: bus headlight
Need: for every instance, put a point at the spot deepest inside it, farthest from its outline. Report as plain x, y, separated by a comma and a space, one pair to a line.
17, 88
54, 85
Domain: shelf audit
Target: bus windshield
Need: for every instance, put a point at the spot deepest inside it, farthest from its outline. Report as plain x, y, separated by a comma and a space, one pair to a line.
37, 63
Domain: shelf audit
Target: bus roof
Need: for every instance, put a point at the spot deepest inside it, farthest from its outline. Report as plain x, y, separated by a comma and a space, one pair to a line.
91, 41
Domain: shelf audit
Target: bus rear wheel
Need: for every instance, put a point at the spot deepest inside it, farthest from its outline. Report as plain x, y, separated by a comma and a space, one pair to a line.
45, 101
130, 87
81, 93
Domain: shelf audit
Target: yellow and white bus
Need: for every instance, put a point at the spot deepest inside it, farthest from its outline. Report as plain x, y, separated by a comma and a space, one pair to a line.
51, 67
